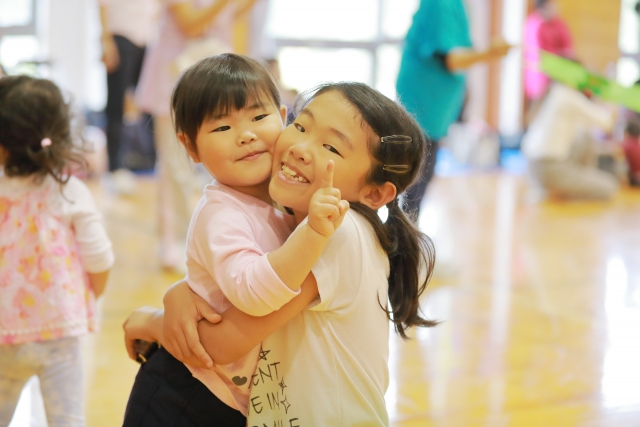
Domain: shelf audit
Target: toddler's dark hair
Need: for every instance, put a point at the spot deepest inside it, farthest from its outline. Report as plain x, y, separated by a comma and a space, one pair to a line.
539, 4
216, 86
411, 253
32, 110
633, 129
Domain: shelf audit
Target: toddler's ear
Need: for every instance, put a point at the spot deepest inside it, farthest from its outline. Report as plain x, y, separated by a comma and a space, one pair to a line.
283, 114
192, 152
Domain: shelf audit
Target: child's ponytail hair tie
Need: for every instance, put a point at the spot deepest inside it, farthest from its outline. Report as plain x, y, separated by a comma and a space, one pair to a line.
45, 142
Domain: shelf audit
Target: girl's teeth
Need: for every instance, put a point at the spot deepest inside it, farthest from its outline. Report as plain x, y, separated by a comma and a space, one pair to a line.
291, 174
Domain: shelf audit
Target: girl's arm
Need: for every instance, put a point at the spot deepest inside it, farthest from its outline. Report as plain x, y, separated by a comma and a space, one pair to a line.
224, 342
238, 333
461, 59
94, 246
293, 261
110, 55
193, 22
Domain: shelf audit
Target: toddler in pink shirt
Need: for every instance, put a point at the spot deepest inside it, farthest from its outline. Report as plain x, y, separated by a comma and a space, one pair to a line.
55, 254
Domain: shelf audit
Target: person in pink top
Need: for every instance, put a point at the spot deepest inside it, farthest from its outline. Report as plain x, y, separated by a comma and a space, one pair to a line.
240, 250
544, 30
55, 255
182, 23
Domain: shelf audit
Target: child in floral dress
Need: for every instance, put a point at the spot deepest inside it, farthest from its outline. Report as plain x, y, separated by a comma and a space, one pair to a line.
55, 255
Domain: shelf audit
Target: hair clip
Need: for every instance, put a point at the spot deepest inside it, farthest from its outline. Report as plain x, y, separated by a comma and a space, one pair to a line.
45, 142
396, 168
396, 139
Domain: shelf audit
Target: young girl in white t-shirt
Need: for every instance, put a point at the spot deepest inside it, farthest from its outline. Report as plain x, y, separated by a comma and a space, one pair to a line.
328, 365
55, 255
227, 115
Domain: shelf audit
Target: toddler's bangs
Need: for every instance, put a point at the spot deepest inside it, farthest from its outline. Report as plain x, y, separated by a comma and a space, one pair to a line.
237, 95
217, 86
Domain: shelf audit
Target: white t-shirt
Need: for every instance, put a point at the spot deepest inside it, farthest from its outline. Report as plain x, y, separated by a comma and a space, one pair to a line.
563, 115
328, 366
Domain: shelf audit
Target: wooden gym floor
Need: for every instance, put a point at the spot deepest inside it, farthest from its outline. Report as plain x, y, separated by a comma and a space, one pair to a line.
540, 310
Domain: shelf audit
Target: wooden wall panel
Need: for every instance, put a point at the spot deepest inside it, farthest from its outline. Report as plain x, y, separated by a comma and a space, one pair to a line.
594, 25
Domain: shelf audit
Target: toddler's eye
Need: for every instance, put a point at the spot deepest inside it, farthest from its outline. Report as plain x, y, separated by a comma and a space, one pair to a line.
221, 129
260, 117
299, 127
332, 149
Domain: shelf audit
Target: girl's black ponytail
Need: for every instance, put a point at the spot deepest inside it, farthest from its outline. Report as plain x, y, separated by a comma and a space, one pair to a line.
411, 259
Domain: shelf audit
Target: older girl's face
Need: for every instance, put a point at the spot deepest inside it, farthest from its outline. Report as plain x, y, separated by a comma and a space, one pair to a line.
329, 128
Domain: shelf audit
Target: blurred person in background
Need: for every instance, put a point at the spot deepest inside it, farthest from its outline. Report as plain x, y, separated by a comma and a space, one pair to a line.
544, 30
560, 149
631, 139
631, 147
185, 25
431, 81
287, 95
127, 27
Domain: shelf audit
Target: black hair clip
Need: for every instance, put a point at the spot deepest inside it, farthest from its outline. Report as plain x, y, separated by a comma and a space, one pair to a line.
396, 168
396, 139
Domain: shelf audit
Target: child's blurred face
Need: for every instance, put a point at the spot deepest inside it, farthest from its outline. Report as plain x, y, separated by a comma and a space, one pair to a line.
237, 148
550, 9
327, 129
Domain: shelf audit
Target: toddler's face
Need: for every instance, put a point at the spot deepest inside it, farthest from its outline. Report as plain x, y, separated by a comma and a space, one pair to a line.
237, 148
327, 129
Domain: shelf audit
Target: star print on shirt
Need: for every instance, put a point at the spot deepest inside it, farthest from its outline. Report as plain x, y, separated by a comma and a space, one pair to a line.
286, 405
263, 354
282, 385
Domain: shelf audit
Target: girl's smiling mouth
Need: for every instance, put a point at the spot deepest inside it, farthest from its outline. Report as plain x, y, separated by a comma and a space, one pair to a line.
289, 173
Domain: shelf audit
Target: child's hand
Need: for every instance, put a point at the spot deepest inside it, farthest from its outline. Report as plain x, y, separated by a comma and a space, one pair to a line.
138, 326
183, 309
326, 209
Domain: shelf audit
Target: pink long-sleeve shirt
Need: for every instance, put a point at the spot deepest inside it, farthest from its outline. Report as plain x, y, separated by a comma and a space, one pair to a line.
228, 240
549, 35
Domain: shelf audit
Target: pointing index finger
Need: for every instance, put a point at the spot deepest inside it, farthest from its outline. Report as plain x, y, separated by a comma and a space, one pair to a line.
327, 180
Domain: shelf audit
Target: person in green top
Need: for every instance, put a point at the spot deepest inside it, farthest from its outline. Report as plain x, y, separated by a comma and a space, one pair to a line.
431, 81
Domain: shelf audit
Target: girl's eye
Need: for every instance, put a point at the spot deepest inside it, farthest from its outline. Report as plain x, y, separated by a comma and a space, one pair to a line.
332, 149
299, 127
221, 129
260, 117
